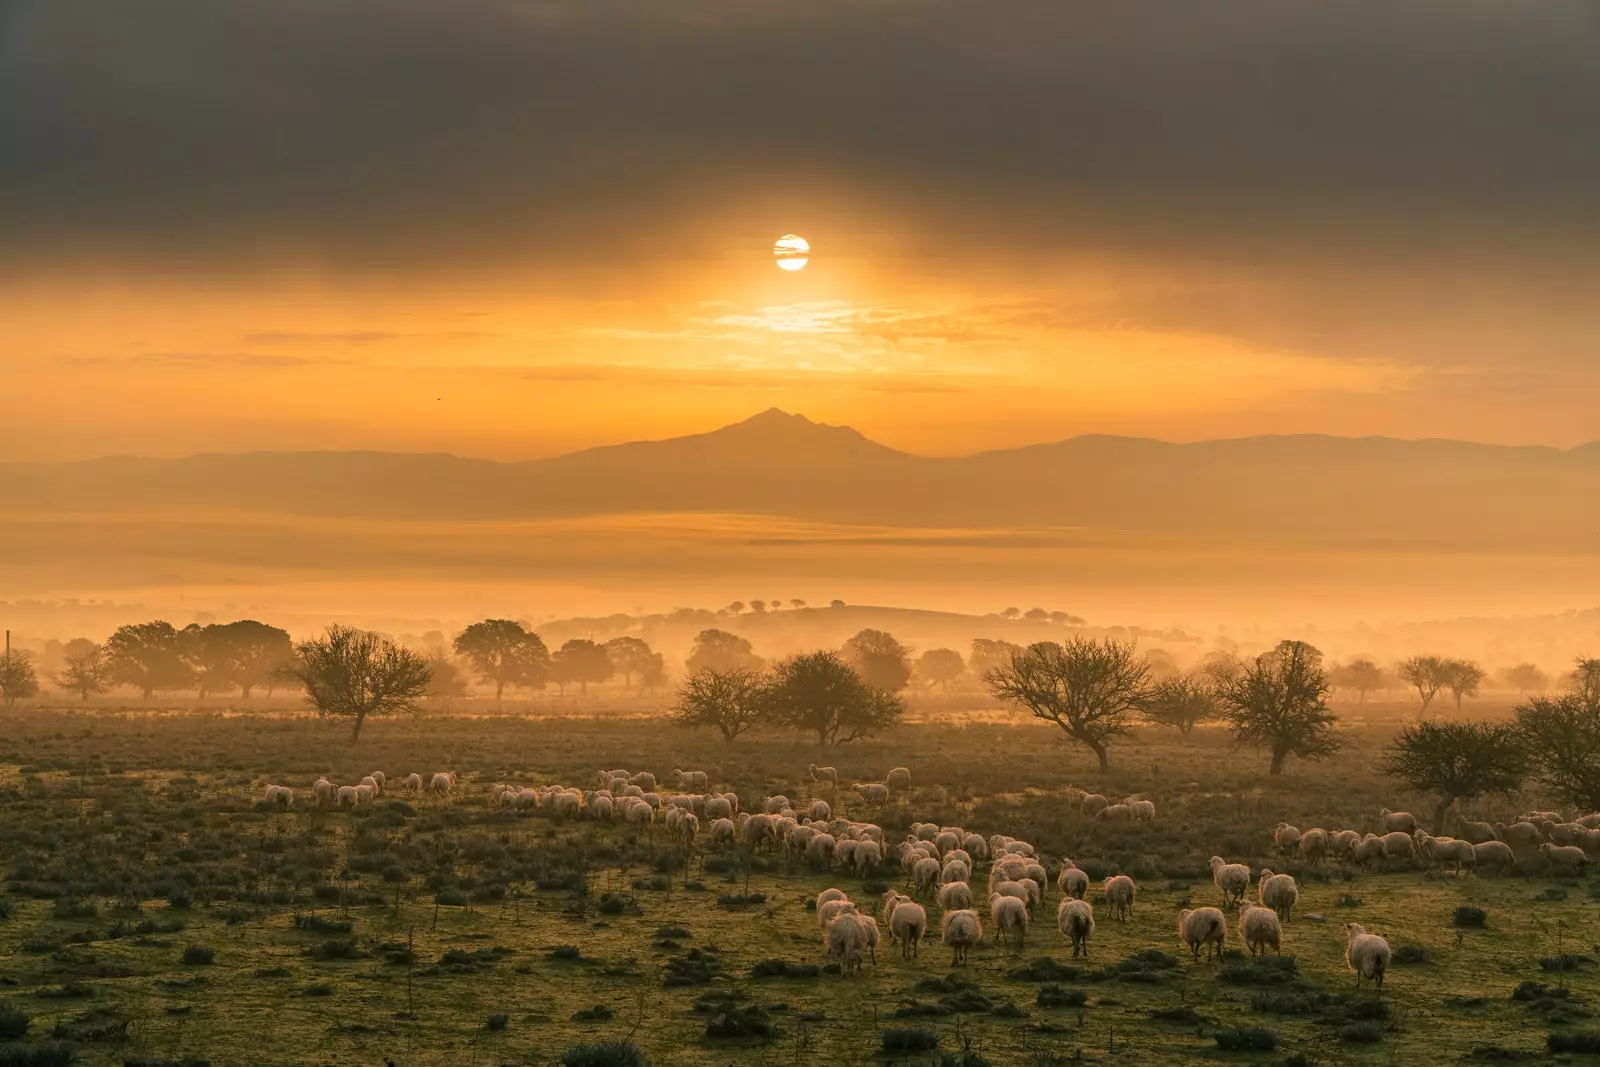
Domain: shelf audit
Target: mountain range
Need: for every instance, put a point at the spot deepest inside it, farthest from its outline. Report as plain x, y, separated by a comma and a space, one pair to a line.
1302, 490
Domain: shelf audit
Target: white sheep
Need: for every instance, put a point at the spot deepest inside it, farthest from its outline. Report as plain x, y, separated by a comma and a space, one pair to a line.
718, 808
954, 871
365, 793
760, 829
602, 808
568, 804
954, 896
280, 795
1232, 878
820, 810
1285, 836
924, 831
830, 910
823, 774
644, 780
1075, 918
1278, 892
1258, 928
925, 875
1495, 854
1390, 821
639, 813
348, 796
872, 792
413, 782
442, 782
1521, 834
1114, 813
688, 829
898, 778
382, 780
1446, 850
1009, 915
371, 783
1566, 857
1202, 927
960, 930
908, 924
1398, 845
694, 781
1366, 954
1314, 846
867, 856
820, 848
1092, 804
723, 833
1073, 882
844, 850
1342, 844
1475, 832
848, 942
1120, 892
324, 791
1143, 810
946, 841
976, 846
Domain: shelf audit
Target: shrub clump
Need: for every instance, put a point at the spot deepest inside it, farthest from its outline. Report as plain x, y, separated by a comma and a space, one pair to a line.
909, 1039
1573, 1042
199, 956
1467, 915
1044, 969
1249, 1039
1055, 995
13, 1022
596, 1014
1268, 970
605, 1054
50, 1054
1360, 1033
784, 969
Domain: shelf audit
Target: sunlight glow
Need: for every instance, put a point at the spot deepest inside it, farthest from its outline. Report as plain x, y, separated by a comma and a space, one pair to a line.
792, 252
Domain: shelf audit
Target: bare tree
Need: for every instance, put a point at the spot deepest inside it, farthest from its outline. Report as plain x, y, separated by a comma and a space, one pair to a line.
728, 701
1362, 675
1525, 678
1463, 678
1458, 761
1426, 674
819, 693
1584, 680
18, 680
84, 668
1184, 702
1563, 738
1088, 688
354, 674
1280, 703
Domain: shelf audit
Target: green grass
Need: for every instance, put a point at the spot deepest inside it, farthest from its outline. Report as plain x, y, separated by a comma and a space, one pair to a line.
519, 938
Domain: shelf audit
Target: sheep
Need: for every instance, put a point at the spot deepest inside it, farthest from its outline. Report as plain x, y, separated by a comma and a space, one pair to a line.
718, 808
382, 780
1519, 835
1035, 894
848, 940
957, 855
976, 846
1404, 821
1041, 877
1114, 813
693, 781
821, 847
1119, 893
954, 871
925, 875
1259, 928
1314, 846
371, 783
323, 790
946, 841
1093, 804
1232, 878
1073, 882
1567, 857
1143, 810
1446, 850
960, 930
1367, 850
872, 792
867, 856
954, 896
1009, 914
639, 814
820, 810
1075, 918
602, 808
1342, 844
908, 924
1019, 848
1205, 927
759, 829
280, 795
898, 778
844, 850
1496, 854
441, 783
924, 831
1366, 954
348, 796
774, 805
832, 909
1398, 845
1592, 821
567, 805
688, 829
644, 780
823, 774
1278, 892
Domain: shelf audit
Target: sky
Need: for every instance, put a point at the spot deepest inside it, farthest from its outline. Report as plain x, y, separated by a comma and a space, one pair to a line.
512, 228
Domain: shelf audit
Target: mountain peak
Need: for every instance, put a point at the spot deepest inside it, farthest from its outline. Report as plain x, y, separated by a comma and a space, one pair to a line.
774, 417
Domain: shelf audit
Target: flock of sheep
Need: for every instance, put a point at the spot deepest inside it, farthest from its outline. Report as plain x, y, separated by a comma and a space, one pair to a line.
940, 863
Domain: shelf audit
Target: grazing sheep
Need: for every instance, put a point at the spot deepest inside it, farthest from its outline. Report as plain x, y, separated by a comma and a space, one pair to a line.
1278, 892
1041, 877
1285, 837
832, 909
830, 894
718, 808
867, 856
954, 871
1032, 889
1120, 892
1009, 914
366, 793
371, 783
723, 833
1496, 854
1519, 835
1075, 918
759, 829
1592, 821
1446, 850
382, 780
898, 778
640, 814
1202, 927
844, 850
821, 847
946, 841
925, 875
960, 930
324, 791
908, 924
693, 781
413, 782
820, 810
1314, 846
1093, 804
1259, 928
957, 855
1073, 882
441, 783
1565, 857
1114, 813
1475, 832
1232, 878
688, 829
1366, 954
1143, 810
644, 780
976, 846
925, 831
280, 795
568, 805
1342, 844
1398, 845
1390, 821
774, 805
349, 796
1019, 848
848, 941
823, 774
872, 792
954, 896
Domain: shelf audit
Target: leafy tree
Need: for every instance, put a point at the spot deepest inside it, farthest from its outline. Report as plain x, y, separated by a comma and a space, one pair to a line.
758, 606
820, 693
581, 660
718, 650
503, 653
1088, 688
83, 670
835, 603
1463, 678
149, 656
1584, 680
1427, 674
1361, 675
1221, 668
1036, 615
446, 678
797, 603
18, 679
940, 666
729, 701
245, 653
1562, 735
1185, 702
1280, 703
734, 608
988, 654
1011, 613
629, 656
653, 674
1525, 678
356, 675
1163, 668
1457, 761
1062, 618
883, 662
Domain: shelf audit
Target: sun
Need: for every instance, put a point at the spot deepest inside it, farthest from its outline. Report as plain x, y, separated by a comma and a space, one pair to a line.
792, 252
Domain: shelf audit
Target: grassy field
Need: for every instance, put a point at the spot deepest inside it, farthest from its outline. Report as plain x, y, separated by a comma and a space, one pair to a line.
423, 933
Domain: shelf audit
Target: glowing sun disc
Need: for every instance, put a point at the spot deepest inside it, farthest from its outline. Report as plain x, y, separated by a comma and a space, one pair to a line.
791, 252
